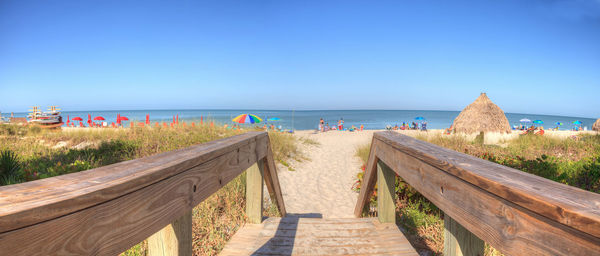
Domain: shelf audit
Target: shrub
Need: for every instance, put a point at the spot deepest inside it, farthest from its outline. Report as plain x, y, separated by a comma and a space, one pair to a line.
10, 168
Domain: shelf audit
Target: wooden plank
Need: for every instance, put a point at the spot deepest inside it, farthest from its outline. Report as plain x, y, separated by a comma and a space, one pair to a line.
173, 240
272, 180
565, 204
505, 225
386, 184
307, 236
111, 227
368, 183
254, 192
33, 202
458, 241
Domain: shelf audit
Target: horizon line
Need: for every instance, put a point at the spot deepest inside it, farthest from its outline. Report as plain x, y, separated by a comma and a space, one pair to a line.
231, 109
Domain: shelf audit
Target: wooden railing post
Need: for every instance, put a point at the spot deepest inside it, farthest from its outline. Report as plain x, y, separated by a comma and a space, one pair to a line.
254, 192
173, 240
386, 184
459, 241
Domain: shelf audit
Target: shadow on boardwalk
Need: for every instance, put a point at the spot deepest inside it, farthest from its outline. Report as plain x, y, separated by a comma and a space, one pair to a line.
282, 242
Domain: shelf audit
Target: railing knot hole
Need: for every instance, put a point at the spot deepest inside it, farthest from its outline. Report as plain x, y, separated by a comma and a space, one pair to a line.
442, 190
194, 188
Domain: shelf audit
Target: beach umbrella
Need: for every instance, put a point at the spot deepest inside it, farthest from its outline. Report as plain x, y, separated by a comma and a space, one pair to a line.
247, 119
419, 118
538, 122
525, 120
99, 118
558, 123
121, 118
274, 119
77, 118
577, 122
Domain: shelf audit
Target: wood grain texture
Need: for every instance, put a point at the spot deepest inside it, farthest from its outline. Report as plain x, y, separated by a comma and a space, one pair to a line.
173, 240
315, 236
386, 194
507, 226
116, 221
369, 181
458, 241
33, 202
254, 192
272, 180
568, 205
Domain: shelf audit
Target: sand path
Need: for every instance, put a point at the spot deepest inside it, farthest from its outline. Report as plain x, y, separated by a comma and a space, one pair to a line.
323, 184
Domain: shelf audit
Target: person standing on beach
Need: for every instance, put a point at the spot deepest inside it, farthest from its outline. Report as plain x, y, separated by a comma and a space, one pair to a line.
341, 124
322, 125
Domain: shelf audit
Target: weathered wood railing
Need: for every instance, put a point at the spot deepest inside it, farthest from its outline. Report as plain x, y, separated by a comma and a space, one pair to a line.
105, 211
515, 212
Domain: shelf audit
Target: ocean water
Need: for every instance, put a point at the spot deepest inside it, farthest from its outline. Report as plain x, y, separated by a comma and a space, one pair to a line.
309, 119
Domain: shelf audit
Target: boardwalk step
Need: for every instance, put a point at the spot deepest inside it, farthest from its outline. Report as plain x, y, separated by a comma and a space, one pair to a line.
316, 236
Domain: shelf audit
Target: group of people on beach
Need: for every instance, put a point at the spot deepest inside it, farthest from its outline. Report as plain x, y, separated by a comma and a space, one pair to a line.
405, 126
324, 126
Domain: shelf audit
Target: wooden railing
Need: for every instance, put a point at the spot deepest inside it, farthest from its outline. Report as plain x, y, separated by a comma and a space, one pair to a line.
515, 212
107, 210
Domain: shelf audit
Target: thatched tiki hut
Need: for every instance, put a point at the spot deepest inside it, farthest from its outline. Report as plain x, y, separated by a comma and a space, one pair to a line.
596, 126
481, 116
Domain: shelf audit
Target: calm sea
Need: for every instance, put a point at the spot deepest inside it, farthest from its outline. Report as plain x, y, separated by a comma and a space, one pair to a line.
306, 120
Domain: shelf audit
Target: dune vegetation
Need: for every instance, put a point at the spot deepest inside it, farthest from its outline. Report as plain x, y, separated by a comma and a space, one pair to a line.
575, 162
30, 153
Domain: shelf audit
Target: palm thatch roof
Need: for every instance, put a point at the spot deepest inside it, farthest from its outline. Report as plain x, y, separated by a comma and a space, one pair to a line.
481, 116
596, 126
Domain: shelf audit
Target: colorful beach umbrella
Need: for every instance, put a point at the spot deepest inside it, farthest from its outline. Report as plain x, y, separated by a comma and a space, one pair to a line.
418, 118
577, 122
538, 122
558, 123
247, 119
525, 120
77, 118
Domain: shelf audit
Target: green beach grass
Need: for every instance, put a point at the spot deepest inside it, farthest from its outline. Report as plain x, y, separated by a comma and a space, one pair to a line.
30, 153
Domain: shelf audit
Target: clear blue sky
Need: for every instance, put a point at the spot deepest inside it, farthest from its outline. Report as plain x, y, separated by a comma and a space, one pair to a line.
540, 57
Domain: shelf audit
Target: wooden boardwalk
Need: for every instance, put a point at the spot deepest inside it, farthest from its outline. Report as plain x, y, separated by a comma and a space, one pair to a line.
294, 235
107, 210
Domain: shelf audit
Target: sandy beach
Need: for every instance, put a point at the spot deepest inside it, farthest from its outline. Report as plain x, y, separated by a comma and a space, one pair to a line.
323, 184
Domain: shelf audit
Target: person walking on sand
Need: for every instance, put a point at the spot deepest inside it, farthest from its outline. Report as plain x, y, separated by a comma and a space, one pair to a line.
341, 124
361, 127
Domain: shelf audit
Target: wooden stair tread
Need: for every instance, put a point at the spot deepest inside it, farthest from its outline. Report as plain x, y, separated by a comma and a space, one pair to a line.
317, 236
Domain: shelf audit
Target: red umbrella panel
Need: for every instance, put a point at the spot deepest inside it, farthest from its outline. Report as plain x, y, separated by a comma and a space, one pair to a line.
99, 118
77, 118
